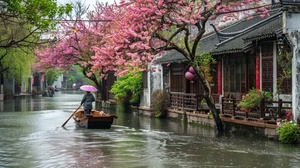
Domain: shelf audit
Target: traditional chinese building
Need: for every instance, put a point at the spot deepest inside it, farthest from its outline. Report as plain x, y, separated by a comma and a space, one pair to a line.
247, 56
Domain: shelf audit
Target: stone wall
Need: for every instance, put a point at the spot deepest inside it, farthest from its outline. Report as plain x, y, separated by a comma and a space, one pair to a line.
231, 125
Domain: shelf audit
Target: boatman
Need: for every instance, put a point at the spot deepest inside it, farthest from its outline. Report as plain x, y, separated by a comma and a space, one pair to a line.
87, 102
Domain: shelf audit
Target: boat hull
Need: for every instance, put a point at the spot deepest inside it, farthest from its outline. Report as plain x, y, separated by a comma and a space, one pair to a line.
96, 120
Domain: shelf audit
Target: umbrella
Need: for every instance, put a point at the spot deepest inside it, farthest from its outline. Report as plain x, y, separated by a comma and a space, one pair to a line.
88, 88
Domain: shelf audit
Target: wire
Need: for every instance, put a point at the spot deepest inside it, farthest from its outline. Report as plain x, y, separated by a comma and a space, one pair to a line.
86, 20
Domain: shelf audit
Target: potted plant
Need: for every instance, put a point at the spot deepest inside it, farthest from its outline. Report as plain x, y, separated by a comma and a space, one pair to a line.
252, 99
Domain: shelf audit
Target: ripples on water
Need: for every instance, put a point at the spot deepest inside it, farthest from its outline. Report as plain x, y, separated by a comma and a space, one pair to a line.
34, 138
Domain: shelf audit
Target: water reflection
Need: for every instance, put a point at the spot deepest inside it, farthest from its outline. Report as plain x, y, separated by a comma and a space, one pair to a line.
37, 103
32, 136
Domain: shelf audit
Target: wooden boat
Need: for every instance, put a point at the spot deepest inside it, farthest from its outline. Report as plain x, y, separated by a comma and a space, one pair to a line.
95, 120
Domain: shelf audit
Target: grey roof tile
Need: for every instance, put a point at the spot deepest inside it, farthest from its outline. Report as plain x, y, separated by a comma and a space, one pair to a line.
257, 28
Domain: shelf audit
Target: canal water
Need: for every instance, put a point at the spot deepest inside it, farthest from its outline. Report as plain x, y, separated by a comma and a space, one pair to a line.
32, 137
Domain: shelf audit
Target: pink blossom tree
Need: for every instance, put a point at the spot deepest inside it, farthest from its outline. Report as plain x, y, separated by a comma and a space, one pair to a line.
142, 29
72, 44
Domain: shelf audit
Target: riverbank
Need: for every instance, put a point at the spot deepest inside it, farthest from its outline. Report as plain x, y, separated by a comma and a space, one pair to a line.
267, 130
232, 125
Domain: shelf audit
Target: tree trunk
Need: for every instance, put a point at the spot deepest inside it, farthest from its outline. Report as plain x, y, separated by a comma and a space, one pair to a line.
103, 90
214, 111
209, 102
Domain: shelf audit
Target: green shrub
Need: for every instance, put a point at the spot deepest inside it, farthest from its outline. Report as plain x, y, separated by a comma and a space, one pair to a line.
253, 99
289, 132
127, 90
159, 103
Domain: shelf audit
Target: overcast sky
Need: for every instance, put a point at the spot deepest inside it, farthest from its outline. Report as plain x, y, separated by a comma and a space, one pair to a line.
92, 2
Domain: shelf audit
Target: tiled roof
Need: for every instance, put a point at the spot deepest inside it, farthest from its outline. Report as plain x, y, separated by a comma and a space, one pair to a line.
255, 29
170, 57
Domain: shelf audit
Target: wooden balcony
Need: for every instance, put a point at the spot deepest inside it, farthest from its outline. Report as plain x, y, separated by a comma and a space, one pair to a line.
268, 111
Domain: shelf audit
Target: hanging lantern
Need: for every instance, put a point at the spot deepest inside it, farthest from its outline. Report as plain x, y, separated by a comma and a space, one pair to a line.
191, 69
189, 76
195, 78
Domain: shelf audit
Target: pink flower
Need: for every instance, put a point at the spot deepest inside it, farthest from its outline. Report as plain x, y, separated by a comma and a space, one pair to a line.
279, 124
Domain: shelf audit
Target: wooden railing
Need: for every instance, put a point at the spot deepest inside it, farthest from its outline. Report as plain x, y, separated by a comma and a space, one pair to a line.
186, 101
267, 110
275, 109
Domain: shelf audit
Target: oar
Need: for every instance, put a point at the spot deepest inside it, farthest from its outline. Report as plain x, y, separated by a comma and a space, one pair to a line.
70, 116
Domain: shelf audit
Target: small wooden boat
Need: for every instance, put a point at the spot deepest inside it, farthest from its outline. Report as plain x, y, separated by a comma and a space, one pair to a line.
95, 120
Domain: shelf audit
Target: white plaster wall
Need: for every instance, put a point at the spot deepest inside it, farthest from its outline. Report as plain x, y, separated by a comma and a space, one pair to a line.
291, 26
154, 79
58, 82
145, 101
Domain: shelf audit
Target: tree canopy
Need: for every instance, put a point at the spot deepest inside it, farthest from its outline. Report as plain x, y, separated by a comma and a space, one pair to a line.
21, 24
143, 29
39, 13
74, 45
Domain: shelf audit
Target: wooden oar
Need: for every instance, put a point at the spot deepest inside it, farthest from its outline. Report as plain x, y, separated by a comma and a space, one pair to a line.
70, 116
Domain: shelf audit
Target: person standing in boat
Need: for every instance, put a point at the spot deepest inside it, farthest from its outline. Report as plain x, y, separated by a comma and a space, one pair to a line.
87, 102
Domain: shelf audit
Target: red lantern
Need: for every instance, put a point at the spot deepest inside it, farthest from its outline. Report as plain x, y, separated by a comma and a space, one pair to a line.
191, 69
189, 75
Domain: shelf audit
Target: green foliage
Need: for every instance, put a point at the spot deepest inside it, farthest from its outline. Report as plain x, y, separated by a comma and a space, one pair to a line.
52, 75
75, 76
129, 86
203, 62
36, 12
285, 61
16, 64
159, 103
289, 132
210, 115
19, 23
253, 99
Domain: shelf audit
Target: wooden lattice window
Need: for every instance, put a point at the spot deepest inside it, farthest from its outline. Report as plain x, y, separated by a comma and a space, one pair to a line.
238, 74
177, 78
267, 67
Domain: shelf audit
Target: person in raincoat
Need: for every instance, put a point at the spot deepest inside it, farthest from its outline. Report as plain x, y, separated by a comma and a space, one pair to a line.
87, 102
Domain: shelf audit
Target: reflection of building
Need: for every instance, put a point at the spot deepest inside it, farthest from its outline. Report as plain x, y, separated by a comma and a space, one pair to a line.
10, 88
